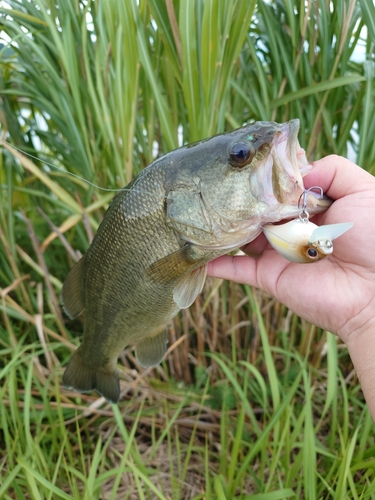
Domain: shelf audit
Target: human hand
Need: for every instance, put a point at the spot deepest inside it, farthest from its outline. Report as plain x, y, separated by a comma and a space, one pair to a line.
338, 292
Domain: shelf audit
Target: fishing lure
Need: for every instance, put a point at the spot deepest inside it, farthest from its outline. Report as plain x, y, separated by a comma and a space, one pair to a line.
302, 241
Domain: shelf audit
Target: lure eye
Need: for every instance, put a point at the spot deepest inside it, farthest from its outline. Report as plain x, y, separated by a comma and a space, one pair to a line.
312, 253
241, 154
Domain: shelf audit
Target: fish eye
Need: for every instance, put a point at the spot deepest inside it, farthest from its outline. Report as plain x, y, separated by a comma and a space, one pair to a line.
241, 154
312, 253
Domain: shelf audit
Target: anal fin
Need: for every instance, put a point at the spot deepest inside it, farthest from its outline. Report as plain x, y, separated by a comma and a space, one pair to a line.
151, 350
83, 378
71, 294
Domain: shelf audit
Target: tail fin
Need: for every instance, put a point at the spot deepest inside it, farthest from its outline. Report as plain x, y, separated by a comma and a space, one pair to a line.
83, 378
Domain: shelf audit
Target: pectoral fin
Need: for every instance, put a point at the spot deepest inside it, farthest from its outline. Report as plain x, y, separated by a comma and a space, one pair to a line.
173, 265
71, 294
181, 266
178, 263
189, 287
150, 351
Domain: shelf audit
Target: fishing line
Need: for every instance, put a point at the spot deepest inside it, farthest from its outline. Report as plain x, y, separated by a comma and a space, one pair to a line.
115, 190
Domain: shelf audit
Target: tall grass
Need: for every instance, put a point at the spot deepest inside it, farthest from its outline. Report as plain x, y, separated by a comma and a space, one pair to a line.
251, 402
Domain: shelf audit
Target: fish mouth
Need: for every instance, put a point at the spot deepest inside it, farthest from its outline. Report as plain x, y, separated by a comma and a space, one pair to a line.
290, 165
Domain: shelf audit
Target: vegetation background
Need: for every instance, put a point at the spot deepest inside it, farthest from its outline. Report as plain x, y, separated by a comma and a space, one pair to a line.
252, 402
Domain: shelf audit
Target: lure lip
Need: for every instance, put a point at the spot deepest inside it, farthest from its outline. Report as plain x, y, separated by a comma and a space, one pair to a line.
330, 231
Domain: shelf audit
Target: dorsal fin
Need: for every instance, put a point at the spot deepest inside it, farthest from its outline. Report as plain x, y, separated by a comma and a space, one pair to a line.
71, 294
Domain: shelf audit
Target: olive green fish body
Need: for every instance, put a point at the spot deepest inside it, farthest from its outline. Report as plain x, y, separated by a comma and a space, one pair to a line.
148, 258
124, 303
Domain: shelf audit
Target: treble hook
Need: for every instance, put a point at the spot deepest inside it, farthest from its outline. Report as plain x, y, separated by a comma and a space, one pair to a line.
304, 214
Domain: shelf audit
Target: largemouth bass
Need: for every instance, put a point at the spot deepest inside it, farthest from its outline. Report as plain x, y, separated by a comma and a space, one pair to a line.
148, 259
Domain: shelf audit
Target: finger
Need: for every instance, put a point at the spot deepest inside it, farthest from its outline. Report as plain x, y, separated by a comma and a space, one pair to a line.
241, 269
338, 177
256, 247
262, 273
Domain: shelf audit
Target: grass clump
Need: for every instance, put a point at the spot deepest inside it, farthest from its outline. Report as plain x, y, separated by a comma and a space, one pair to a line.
252, 402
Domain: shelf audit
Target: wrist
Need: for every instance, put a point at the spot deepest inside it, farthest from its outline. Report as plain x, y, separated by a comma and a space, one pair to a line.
361, 346
360, 328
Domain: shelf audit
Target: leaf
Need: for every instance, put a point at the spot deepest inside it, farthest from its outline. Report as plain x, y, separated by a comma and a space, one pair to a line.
317, 88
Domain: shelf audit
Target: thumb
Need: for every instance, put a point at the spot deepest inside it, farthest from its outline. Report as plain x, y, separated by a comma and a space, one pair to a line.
338, 177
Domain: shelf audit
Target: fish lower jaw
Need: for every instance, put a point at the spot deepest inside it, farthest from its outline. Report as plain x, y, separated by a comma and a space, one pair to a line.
280, 180
229, 247
287, 167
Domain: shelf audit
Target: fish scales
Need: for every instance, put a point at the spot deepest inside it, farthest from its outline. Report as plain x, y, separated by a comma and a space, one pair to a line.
146, 239
148, 258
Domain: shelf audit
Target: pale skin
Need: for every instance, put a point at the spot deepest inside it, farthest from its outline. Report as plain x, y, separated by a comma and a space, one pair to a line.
337, 293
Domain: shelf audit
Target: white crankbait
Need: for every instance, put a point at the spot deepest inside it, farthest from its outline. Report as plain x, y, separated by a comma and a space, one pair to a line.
303, 241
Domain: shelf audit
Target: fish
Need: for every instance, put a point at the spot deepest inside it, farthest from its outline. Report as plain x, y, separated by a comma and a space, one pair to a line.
148, 259
302, 241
